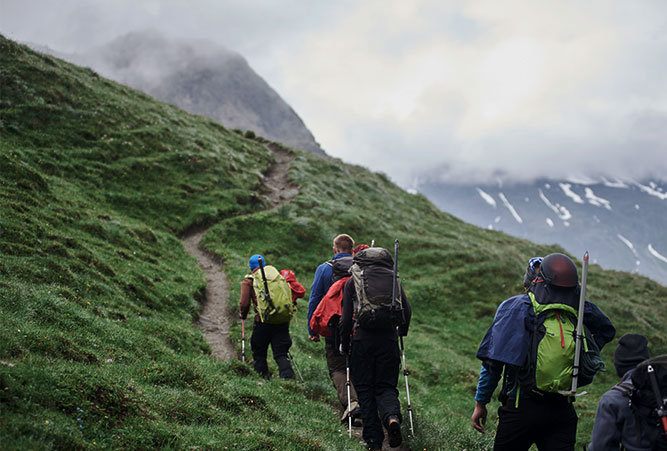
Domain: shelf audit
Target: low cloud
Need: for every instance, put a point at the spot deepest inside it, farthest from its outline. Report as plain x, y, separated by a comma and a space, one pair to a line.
454, 90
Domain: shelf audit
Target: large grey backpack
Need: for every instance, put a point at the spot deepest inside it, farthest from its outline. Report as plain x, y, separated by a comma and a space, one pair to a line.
373, 275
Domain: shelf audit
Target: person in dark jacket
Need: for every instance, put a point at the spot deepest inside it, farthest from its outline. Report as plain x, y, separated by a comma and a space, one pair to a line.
374, 366
343, 245
528, 415
615, 422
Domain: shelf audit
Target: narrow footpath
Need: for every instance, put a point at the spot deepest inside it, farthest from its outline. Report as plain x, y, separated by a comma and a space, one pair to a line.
215, 317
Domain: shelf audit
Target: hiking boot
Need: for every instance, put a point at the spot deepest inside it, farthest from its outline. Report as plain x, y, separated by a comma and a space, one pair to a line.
394, 427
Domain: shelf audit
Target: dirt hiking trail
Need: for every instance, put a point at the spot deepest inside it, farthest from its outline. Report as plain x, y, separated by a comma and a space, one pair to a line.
215, 316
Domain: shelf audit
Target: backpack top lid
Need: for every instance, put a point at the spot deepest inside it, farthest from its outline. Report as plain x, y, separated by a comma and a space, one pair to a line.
374, 256
559, 270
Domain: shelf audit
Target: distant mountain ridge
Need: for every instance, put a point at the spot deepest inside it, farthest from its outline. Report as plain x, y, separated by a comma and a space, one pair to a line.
620, 222
201, 78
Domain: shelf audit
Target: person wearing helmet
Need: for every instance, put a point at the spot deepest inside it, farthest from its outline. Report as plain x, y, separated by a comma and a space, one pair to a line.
529, 415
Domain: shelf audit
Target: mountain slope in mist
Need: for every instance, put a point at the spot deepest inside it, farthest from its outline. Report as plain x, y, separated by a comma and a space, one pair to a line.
619, 222
201, 78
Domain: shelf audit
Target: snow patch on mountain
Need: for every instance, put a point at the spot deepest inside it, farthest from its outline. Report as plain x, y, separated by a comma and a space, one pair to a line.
630, 246
614, 183
487, 197
582, 180
562, 212
595, 200
510, 208
653, 190
567, 189
656, 254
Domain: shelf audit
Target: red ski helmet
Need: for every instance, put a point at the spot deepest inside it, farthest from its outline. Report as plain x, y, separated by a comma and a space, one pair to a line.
559, 270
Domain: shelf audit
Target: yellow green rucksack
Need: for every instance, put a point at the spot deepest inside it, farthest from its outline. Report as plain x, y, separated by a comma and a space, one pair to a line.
555, 345
277, 307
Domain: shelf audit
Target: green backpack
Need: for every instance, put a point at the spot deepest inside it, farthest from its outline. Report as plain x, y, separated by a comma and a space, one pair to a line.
552, 353
277, 308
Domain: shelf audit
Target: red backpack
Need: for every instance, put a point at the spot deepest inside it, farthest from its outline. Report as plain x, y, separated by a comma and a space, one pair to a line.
328, 308
298, 291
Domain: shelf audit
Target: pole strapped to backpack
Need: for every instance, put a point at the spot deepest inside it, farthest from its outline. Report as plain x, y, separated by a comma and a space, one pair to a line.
580, 330
266, 284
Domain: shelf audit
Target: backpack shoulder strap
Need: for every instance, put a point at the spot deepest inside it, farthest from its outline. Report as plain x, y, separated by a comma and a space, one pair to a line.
624, 387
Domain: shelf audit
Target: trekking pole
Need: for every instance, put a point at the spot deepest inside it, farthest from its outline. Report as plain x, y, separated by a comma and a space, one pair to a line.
289, 355
349, 402
660, 410
407, 389
580, 327
243, 340
394, 292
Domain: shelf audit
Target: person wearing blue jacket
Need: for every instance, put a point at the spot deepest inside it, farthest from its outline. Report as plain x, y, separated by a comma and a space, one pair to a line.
343, 245
615, 422
529, 416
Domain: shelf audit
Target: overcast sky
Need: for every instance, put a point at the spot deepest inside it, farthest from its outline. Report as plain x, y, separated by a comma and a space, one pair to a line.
456, 89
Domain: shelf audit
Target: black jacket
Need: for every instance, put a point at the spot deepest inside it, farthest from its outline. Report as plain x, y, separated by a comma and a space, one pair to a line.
347, 327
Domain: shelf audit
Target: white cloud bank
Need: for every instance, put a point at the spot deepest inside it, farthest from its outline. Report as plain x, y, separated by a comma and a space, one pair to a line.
473, 89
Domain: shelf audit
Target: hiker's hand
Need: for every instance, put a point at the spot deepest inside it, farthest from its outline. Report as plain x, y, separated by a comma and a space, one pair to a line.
479, 417
314, 338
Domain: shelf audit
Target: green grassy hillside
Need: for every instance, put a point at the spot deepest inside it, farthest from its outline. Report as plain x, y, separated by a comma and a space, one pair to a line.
98, 296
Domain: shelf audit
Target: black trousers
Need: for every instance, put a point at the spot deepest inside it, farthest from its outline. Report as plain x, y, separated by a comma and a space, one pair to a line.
277, 335
551, 424
374, 367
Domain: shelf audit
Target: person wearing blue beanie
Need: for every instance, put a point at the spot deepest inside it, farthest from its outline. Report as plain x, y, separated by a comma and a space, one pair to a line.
254, 262
265, 334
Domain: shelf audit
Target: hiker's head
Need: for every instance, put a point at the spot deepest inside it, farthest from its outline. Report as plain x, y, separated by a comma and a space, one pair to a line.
360, 248
254, 262
532, 271
559, 270
343, 243
632, 350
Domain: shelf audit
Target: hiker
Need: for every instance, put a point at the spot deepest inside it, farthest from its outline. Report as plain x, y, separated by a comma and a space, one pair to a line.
371, 339
325, 275
271, 321
615, 422
533, 410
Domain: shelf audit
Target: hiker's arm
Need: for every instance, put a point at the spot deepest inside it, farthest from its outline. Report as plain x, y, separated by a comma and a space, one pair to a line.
320, 286
345, 324
479, 416
488, 381
244, 300
489, 376
602, 328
